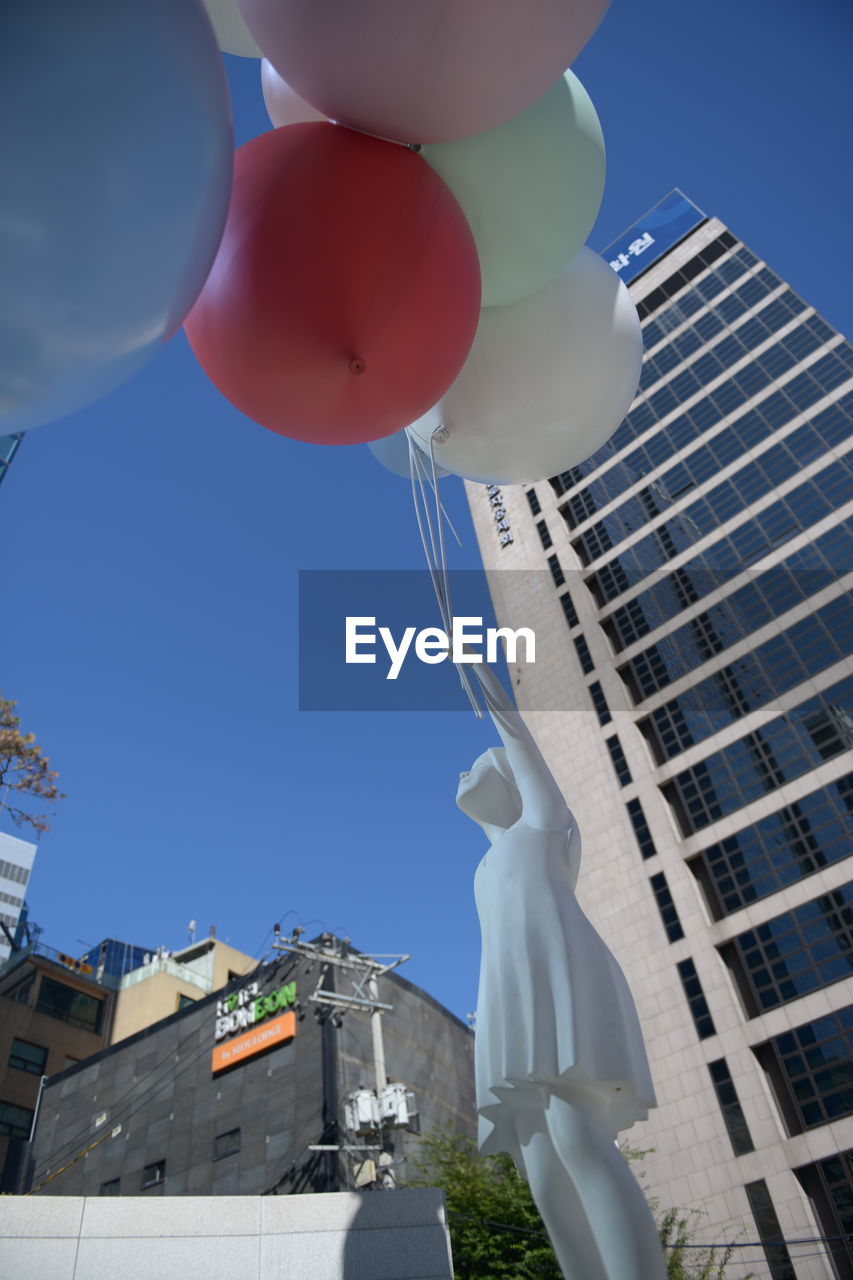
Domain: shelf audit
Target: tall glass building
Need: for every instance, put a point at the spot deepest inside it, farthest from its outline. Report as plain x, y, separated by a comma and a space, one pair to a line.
689, 586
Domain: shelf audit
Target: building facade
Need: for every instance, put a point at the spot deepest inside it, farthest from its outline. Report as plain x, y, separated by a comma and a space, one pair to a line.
52, 1014
16, 864
689, 586
259, 1089
166, 981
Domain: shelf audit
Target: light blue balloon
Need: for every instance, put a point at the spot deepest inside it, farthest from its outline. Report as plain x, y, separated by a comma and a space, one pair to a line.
392, 452
115, 155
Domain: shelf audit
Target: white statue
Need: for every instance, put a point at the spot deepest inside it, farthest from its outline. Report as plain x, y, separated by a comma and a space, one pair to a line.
560, 1062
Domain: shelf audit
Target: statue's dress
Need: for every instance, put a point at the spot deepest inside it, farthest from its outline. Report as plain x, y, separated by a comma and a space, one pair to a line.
554, 1012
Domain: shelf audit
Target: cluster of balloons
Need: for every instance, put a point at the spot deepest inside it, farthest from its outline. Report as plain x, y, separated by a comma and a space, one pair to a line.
116, 152
403, 250
316, 320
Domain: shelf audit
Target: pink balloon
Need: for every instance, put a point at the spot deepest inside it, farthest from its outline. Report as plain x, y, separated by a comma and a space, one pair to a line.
283, 105
421, 70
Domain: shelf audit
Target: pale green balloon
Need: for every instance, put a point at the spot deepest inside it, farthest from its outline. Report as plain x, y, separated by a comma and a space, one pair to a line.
530, 189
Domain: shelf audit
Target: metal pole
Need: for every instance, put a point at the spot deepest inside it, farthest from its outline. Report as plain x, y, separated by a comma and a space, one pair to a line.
378, 1043
331, 1166
42, 1083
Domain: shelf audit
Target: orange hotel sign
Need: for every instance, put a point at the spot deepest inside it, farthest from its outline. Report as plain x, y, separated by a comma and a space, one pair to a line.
254, 1041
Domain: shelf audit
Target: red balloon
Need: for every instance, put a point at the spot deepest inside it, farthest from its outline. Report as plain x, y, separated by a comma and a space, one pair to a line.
346, 292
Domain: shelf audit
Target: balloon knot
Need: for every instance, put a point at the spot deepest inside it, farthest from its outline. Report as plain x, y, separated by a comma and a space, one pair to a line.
357, 365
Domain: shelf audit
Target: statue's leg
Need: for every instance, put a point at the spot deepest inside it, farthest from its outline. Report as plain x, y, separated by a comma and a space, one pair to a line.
558, 1200
614, 1206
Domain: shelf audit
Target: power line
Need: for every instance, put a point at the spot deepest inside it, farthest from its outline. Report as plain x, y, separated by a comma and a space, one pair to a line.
842, 1240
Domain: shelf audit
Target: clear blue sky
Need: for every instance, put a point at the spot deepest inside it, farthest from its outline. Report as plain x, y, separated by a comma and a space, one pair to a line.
152, 544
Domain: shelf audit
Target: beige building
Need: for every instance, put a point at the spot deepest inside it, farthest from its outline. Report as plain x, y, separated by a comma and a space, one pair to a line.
689, 588
170, 981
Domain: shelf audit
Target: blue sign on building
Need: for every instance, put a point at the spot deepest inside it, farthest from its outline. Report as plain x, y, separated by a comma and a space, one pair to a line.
658, 230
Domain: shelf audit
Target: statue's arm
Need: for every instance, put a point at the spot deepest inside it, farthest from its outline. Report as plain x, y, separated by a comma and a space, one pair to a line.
542, 801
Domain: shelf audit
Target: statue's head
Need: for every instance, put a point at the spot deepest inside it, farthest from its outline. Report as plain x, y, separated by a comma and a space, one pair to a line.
487, 792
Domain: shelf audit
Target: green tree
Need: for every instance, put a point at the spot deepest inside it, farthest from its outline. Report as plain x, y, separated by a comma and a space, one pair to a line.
25, 773
496, 1230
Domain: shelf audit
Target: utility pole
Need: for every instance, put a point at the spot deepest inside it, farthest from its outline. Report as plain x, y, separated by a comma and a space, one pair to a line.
336, 958
331, 1134
376, 1033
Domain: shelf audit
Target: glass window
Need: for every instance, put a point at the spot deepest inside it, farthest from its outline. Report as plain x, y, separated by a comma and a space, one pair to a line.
70, 1005
556, 571
532, 499
599, 701
569, 610
226, 1144
787, 846
620, 764
154, 1174
736, 1125
829, 1184
752, 539
28, 1057
666, 907
544, 535
111, 1188
776, 1252
702, 1019
723, 401
804, 649
799, 951
15, 1121
783, 749
694, 267
811, 1069
584, 655
641, 829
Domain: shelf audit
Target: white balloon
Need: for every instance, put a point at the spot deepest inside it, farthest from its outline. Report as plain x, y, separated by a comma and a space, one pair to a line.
392, 452
530, 189
548, 379
231, 31
283, 105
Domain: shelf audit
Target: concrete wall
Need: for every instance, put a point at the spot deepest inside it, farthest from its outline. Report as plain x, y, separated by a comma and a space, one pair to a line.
392, 1235
147, 1002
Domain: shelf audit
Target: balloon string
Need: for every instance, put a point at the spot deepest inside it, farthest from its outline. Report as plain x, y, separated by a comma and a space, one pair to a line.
433, 484
438, 520
435, 557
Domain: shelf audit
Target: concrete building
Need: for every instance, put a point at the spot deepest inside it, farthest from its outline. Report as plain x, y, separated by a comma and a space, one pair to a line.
282, 1083
57, 1010
16, 864
52, 1014
689, 586
165, 982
